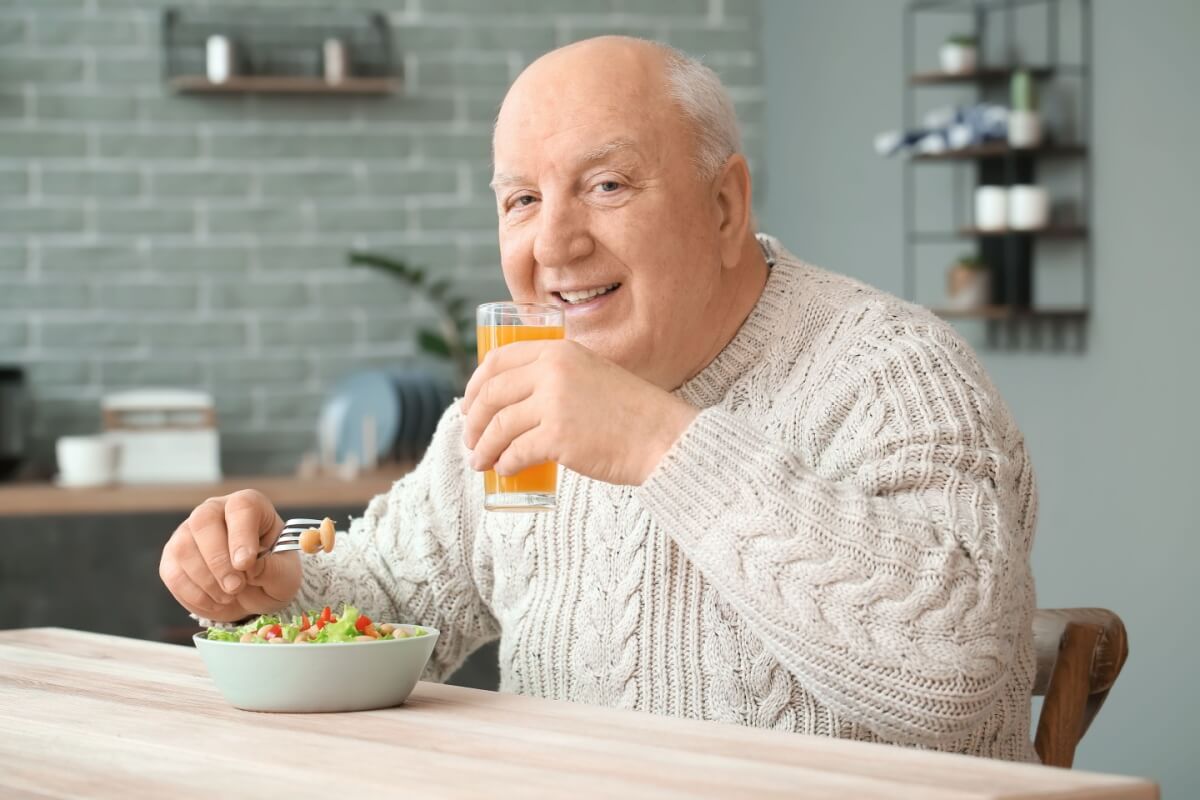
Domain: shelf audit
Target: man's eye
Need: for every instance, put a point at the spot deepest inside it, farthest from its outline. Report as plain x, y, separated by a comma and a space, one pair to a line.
524, 200
608, 186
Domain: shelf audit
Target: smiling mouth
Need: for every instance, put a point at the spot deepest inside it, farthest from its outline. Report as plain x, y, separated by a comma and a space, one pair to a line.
584, 295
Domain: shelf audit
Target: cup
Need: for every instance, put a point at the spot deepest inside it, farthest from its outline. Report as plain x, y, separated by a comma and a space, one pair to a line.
86, 460
533, 488
1028, 207
991, 208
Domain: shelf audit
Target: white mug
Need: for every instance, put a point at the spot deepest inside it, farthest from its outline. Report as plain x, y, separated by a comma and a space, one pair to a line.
991, 208
1028, 207
86, 460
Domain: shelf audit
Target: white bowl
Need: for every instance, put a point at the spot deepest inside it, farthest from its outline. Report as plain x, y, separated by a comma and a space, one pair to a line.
307, 678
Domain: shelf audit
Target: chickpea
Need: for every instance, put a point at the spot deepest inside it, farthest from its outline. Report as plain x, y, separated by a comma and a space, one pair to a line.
247, 637
310, 541
277, 640
386, 629
328, 534
400, 633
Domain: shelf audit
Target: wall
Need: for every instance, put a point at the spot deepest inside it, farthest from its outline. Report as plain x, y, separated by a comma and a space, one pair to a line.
150, 238
1112, 430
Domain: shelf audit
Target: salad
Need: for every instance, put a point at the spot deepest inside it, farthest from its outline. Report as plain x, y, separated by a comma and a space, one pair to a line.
315, 627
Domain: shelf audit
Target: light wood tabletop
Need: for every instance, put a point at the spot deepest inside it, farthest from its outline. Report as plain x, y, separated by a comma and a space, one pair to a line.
87, 715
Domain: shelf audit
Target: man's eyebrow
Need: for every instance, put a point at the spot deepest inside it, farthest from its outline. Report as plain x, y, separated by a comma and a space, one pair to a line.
505, 179
607, 149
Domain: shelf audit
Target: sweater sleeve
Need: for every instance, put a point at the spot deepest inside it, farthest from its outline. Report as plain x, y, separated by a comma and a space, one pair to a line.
893, 584
414, 556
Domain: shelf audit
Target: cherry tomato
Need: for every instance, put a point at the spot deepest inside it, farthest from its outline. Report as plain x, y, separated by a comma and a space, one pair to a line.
273, 631
304, 623
361, 623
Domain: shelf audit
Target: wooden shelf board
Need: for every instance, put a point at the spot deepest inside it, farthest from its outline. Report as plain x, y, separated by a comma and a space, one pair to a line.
1051, 232
1009, 313
44, 499
284, 84
986, 75
1002, 150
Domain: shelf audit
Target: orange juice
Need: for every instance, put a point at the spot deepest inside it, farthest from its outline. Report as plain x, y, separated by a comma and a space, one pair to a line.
540, 479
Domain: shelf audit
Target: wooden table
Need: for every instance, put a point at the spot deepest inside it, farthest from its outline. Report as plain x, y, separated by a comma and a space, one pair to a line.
37, 499
99, 716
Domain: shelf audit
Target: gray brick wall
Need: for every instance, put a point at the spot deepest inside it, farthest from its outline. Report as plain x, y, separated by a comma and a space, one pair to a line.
154, 239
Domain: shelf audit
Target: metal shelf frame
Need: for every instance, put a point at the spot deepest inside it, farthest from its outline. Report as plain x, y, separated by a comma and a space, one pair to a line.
1009, 255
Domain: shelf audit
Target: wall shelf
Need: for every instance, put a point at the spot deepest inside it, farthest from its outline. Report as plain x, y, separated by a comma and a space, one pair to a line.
279, 50
989, 75
997, 150
1000, 313
1008, 254
283, 84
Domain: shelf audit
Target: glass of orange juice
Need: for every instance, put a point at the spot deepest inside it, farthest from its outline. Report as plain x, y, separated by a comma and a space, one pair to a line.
498, 324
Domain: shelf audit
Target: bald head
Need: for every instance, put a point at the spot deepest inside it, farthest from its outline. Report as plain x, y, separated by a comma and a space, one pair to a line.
641, 75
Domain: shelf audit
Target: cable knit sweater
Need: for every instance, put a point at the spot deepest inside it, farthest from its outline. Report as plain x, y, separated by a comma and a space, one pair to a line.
838, 544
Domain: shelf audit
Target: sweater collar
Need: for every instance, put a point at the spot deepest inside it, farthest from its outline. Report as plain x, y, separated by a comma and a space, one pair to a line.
760, 328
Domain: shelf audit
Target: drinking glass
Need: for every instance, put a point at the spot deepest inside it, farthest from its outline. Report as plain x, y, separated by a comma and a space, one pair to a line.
498, 324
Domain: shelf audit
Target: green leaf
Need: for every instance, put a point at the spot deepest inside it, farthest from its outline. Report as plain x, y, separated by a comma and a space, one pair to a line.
432, 343
437, 289
454, 306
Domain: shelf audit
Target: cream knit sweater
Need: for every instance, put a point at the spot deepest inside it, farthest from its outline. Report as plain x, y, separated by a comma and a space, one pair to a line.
838, 545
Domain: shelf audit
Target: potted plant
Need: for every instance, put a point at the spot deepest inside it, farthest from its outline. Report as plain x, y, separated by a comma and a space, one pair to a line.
454, 340
1024, 123
960, 55
968, 284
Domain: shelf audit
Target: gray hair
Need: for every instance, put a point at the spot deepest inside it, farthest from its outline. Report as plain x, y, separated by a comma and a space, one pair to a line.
705, 102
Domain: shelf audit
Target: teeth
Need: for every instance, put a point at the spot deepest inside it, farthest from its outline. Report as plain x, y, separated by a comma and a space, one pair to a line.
586, 294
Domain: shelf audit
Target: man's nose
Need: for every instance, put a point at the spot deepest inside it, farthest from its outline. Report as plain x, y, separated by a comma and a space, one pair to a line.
562, 236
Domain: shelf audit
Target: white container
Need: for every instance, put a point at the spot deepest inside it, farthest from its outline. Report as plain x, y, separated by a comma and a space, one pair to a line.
958, 59
1028, 207
218, 58
166, 435
991, 208
334, 61
86, 460
1024, 129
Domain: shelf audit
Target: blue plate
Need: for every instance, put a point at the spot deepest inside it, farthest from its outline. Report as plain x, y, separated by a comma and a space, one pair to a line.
352, 400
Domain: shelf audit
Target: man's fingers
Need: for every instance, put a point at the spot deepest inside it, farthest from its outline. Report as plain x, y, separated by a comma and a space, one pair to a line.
505, 426
212, 545
500, 392
175, 575
527, 450
192, 562
500, 359
252, 523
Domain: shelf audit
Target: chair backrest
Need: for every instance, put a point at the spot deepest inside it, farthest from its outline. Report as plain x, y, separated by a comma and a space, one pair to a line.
1080, 652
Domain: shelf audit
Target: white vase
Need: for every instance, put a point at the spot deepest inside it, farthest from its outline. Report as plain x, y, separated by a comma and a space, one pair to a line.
218, 58
1028, 207
991, 208
958, 59
1024, 128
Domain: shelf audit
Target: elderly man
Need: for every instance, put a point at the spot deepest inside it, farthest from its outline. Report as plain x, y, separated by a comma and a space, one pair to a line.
788, 500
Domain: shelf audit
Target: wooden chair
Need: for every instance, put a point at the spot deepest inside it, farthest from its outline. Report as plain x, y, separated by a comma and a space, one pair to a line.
1080, 652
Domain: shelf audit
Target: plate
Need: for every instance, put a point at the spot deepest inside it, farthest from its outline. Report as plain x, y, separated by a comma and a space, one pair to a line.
355, 398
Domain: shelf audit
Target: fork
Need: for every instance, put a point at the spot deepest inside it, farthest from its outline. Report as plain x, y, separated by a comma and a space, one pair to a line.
289, 538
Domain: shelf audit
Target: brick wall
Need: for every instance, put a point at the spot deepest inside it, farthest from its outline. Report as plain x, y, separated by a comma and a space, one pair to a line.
148, 238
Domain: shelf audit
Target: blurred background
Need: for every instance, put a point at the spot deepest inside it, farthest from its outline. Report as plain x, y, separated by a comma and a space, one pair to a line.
240, 244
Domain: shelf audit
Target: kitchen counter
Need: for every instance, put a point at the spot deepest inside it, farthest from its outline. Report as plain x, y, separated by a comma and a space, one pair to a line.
44, 499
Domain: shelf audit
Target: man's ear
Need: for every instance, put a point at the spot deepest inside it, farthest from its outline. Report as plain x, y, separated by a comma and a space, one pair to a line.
732, 193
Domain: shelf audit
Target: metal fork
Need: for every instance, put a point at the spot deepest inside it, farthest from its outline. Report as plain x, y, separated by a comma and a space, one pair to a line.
289, 538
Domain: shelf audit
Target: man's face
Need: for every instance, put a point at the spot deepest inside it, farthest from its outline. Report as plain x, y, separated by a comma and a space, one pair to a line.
602, 212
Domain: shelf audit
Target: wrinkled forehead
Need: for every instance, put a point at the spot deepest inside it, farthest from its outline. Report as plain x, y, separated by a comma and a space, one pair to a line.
559, 120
